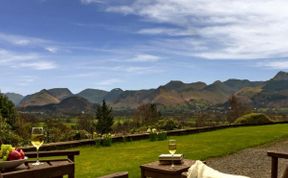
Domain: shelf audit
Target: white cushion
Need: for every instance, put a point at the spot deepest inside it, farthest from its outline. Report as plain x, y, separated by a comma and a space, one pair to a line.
200, 170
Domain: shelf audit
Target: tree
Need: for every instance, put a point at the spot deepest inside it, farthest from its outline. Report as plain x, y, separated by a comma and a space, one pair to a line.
237, 108
86, 122
147, 114
7, 110
7, 136
104, 118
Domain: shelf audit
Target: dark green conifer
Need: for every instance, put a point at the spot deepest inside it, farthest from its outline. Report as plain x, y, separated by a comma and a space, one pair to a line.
105, 118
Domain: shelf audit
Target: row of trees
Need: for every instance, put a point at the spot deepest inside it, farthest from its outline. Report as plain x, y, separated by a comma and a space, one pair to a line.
13, 124
101, 123
15, 127
8, 121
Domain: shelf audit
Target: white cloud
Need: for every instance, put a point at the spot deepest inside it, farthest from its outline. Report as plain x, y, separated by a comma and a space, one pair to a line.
165, 31
52, 49
109, 82
91, 1
145, 58
279, 65
24, 60
228, 29
142, 70
38, 65
27, 41
22, 40
26, 80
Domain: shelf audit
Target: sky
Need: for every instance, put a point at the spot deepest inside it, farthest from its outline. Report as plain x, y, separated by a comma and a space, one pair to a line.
138, 44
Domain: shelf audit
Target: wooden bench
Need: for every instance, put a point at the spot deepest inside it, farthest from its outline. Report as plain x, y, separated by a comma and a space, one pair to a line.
274, 162
50, 168
69, 153
116, 175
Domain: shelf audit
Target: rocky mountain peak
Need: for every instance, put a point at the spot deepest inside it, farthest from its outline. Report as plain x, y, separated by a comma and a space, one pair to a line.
281, 76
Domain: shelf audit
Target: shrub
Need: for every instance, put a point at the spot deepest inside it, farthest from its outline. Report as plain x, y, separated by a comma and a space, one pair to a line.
106, 140
162, 135
254, 119
168, 124
11, 138
7, 136
154, 135
81, 134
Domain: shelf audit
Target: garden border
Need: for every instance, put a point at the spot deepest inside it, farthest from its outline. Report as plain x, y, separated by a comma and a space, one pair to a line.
135, 137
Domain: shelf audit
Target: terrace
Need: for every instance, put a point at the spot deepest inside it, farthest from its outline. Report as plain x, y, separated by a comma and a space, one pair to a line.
241, 150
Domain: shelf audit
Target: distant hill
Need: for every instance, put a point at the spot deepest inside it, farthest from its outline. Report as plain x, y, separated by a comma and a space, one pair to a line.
274, 93
281, 76
14, 97
60, 93
45, 97
93, 95
270, 93
39, 99
113, 95
73, 105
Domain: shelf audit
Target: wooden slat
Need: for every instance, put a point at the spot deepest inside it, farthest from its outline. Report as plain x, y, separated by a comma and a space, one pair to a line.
60, 168
278, 154
69, 153
116, 175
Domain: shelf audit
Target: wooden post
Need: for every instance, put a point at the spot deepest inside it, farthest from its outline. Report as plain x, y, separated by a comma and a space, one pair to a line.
274, 167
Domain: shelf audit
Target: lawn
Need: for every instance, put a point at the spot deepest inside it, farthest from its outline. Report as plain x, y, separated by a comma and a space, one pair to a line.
97, 161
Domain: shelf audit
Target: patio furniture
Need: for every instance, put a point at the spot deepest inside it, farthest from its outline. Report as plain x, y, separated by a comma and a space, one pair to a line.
156, 170
69, 153
50, 168
274, 162
116, 175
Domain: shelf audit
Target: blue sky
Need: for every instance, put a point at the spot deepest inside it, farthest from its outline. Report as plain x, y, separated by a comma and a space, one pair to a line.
138, 44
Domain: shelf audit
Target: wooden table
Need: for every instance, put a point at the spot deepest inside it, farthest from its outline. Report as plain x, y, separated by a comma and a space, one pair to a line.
50, 168
155, 170
274, 161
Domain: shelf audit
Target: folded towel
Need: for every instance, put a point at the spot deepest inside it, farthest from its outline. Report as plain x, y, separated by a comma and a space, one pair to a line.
200, 170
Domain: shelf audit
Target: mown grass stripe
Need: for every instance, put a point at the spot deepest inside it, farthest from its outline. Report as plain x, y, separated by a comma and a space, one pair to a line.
97, 161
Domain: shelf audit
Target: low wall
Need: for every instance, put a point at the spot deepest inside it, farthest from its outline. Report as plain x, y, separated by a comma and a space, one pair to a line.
135, 137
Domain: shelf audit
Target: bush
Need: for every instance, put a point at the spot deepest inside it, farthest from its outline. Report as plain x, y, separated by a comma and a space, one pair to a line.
81, 134
154, 135
106, 140
11, 138
103, 140
254, 119
168, 124
7, 136
162, 135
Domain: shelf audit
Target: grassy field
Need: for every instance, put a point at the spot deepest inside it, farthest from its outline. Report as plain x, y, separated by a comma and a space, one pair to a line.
97, 161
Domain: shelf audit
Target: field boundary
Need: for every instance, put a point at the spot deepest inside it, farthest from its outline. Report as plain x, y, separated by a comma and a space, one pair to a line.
135, 137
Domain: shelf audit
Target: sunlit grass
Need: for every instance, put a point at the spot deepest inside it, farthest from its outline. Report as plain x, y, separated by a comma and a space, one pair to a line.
97, 161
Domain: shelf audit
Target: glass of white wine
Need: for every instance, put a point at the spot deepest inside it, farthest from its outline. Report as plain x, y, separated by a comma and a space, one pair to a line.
172, 150
37, 139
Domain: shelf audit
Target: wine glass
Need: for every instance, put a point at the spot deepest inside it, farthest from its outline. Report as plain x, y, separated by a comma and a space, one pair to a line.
172, 150
37, 139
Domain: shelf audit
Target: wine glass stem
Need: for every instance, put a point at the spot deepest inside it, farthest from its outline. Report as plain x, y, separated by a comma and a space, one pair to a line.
37, 155
172, 161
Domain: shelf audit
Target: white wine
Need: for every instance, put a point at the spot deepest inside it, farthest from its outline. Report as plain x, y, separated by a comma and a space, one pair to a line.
37, 140
172, 148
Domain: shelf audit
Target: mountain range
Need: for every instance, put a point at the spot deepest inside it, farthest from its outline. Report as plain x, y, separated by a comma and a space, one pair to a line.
270, 93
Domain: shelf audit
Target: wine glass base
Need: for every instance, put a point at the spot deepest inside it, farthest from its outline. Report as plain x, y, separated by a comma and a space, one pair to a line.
37, 163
